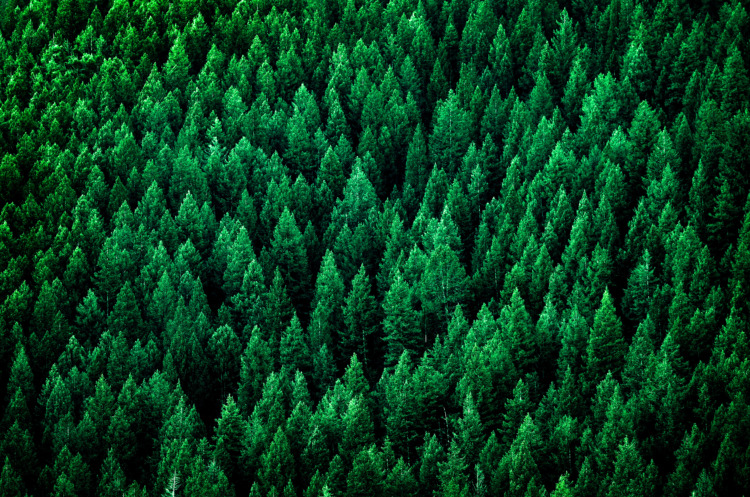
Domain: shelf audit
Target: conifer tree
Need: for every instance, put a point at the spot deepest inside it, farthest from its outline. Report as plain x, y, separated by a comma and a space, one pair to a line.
289, 254
178, 66
606, 347
444, 284
450, 137
433, 455
294, 351
240, 257
506, 243
326, 320
12, 484
225, 349
400, 326
21, 376
359, 315
641, 286
229, 432
256, 364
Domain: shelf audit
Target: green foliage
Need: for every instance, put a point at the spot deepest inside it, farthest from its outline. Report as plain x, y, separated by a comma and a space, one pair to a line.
450, 137
444, 284
400, 325
606, 348
294, 351
326, 319
360, 318
224, 348
503, 244
290, 257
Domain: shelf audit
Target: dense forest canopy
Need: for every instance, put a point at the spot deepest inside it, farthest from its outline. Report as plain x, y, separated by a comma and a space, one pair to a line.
374, 248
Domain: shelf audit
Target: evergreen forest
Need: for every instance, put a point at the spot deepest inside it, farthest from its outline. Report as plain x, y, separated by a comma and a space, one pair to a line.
341, 248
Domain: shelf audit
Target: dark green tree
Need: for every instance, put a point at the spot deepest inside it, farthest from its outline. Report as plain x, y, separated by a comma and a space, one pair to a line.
443, 284
229, 434
294, 350
606, 347
256, 365
326, 322
400, 326
432, 456
639, 293
125, 316
290, 257
360, 316
366, 477
224, 348
11, 483
178, 66
450, 136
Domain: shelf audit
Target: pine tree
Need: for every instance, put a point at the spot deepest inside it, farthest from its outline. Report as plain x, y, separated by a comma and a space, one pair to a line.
630, 477
276, 311
358, 429
11, 483
575, 89
18, 446
177, 67
453, 480
639, 293
229, 433
734, 82
366, 477
248, 301
517, 408
326, 320
518, 473
443, 284
125, 316
112, 482
470, 432
563, 488
400, 325
642, 133
564, 48
225, 349
450, 137
256, 365
433, 455
359, 314
288, 71
518, 329
21, 376
606, 347
294, 351
398, 409
240, 257
324, 368
277, 464
331, 172
299, 153
289, 255
401, 481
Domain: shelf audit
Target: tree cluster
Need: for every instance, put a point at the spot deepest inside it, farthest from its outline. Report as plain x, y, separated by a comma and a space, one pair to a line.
345, 248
